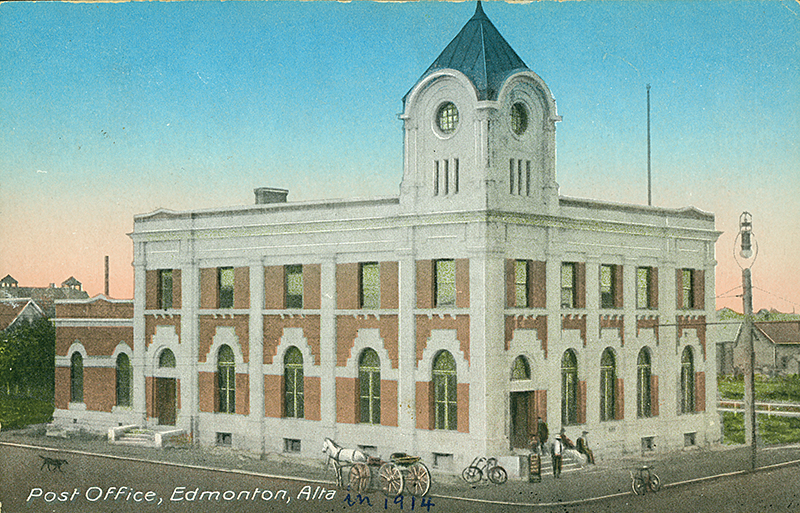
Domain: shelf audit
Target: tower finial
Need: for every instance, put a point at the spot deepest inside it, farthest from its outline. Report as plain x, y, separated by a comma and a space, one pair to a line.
478, 10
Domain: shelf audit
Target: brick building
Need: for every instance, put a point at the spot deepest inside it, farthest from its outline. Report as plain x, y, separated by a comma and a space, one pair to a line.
439, 322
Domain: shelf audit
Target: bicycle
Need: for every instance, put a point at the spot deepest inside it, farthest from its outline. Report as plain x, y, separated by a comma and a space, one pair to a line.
643, 480
484, 466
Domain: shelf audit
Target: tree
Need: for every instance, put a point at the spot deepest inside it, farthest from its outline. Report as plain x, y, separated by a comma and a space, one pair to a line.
27, 360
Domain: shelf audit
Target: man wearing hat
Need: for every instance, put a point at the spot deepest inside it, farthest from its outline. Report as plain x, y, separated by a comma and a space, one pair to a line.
583, 447
558, 450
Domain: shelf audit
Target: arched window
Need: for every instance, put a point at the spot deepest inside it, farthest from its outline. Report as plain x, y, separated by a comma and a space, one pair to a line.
166, 359
643, 373
520, 370
293, 382
369, 383
687, 381
445, 391
226, 380
76, 378
569, 388
608, 378
123, 380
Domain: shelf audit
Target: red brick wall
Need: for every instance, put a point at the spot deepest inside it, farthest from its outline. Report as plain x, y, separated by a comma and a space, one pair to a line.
150, 395
242, 394
241, 287
347, 282
580, 285
425, 324
619, 400
388, 403
699, 289
581, 402
511, 286
207, 328
539, 323
424, 284
463, 408
654, 287
619, 286
654, 395
273, 396
98, 308
177, 289
151, 290
311, 286
98, 340
99, 388
347, 408
151, 322
537, 283
700, 391
389, 285
207, 392
274, 287
273, 330
347, 327
462, 283
62, 389
209, 297
424, 405
312, 398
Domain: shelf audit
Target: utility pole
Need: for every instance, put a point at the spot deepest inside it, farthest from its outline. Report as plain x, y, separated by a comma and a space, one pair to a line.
745, 232
649, 186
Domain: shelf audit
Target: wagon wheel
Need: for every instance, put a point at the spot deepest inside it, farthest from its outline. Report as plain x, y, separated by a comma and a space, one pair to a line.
360, 476
390, 479
419, 479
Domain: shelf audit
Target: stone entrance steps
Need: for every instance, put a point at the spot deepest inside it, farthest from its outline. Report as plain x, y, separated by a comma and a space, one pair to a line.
143, 436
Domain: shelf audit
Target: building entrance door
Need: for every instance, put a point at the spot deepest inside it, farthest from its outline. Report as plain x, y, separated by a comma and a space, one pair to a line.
165, 401
519, 420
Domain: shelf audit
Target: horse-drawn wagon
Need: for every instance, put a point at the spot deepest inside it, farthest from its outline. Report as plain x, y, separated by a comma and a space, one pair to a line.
354, 471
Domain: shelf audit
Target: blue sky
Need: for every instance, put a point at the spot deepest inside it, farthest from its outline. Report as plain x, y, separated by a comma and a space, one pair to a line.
108, 110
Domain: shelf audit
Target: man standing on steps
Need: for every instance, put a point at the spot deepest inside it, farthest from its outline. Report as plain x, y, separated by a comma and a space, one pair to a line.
558, 449
541, 432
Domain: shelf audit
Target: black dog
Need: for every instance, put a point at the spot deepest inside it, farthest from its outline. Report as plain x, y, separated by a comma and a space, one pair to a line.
52, 464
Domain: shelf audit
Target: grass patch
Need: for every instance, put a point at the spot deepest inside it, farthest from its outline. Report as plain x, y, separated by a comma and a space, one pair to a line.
777, 389
17, 412
771, 429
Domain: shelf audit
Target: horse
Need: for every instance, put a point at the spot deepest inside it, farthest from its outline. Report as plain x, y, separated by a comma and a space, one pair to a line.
338, 454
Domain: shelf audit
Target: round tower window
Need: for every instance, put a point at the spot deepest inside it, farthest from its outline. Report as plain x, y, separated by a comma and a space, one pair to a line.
519, 118
447, 118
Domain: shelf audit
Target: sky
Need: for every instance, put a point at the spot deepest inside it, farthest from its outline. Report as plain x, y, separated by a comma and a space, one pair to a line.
108, 110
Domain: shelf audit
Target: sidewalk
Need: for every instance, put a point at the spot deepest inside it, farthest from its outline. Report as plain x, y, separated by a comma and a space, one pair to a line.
591, 483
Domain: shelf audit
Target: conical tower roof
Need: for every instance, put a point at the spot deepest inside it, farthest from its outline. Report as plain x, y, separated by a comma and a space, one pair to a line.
482, 54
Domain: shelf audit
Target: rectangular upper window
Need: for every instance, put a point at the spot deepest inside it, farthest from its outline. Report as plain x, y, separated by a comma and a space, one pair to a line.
294, 286
607, 282
225, 287
445, 282
568, 274
521, 283
165, 289
370, 288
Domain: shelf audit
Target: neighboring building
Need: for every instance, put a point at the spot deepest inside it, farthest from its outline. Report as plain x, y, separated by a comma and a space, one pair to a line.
94, 355
776, 345
45, 297
15, 311
440, 322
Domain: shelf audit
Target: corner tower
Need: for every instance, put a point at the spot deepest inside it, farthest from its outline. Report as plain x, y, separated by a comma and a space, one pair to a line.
479, 130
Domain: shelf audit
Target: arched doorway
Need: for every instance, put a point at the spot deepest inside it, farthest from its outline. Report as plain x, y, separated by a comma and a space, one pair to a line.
166, 390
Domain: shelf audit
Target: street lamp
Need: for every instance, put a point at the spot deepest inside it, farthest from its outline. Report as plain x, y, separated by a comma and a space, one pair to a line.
746, 252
